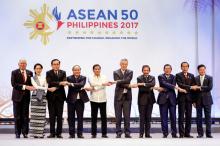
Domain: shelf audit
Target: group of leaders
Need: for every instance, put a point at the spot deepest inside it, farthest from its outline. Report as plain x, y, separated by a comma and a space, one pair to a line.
39, 91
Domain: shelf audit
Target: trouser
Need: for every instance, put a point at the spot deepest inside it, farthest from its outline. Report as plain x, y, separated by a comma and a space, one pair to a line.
208, 120
145, 112
95, 106
56, 115
164, 110
78, 108
21, 115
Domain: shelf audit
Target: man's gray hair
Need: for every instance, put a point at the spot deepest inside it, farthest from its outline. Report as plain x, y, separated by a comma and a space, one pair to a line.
124, 59
22, 60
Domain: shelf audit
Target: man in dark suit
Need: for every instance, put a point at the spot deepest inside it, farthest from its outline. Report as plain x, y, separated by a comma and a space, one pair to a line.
56, 78
123, 97
167, 100
146, 99
203, 101
76, 98
185, 80
21, 83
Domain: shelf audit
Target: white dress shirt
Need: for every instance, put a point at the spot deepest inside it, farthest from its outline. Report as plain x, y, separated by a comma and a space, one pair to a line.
25, 76
99, 93
125, 90
43, 83
202, 79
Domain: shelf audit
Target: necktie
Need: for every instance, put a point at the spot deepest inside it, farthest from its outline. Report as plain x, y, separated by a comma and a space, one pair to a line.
56, 72
23, 76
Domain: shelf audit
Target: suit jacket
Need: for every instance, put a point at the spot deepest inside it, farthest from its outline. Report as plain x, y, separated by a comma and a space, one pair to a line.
145, 93
185, 83
17, 84
204, 96
123, 83
76, 89
169, 85
53, 81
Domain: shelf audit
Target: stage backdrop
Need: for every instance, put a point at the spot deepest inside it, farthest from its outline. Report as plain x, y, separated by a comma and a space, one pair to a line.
87, 32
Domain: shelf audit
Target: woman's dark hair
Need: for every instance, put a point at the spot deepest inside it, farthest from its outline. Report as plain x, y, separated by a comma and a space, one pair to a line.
95, 65
145, 66
38, 64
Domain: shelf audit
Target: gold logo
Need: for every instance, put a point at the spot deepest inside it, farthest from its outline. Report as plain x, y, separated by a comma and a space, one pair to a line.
40, 24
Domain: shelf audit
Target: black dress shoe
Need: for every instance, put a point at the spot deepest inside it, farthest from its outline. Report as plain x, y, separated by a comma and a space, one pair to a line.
209, 136
128, 136
59, 136
25, 135
148, 136
104, 136
118, 136
200, 136
80, 136
164, 136
181, 136
188, 136
174, 136
72, 136
141, 136
51, 136
93, 136
17, 135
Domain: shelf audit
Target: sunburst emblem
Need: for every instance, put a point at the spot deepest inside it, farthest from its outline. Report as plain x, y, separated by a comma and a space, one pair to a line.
40, 24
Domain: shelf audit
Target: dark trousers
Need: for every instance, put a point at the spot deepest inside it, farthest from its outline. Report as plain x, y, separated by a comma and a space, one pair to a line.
95, 106
78, 108
145, 112
164, 110
56, 115
208, 120
122, 106
21, 115
184, 112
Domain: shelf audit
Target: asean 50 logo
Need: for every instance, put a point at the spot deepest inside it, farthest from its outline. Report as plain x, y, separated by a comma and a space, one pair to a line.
43, 23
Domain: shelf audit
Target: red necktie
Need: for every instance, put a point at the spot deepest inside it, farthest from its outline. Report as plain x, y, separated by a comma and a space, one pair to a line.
23, 76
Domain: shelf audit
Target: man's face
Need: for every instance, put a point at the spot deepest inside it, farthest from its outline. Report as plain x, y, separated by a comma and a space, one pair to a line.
76, 71
97, 70
167, 70
185, 67
202, 71
56, 65
146, 71
124, 64
22, 64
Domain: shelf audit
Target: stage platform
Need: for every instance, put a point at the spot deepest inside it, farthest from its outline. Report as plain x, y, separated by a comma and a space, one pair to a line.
7, 137
155, 128
9, 140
